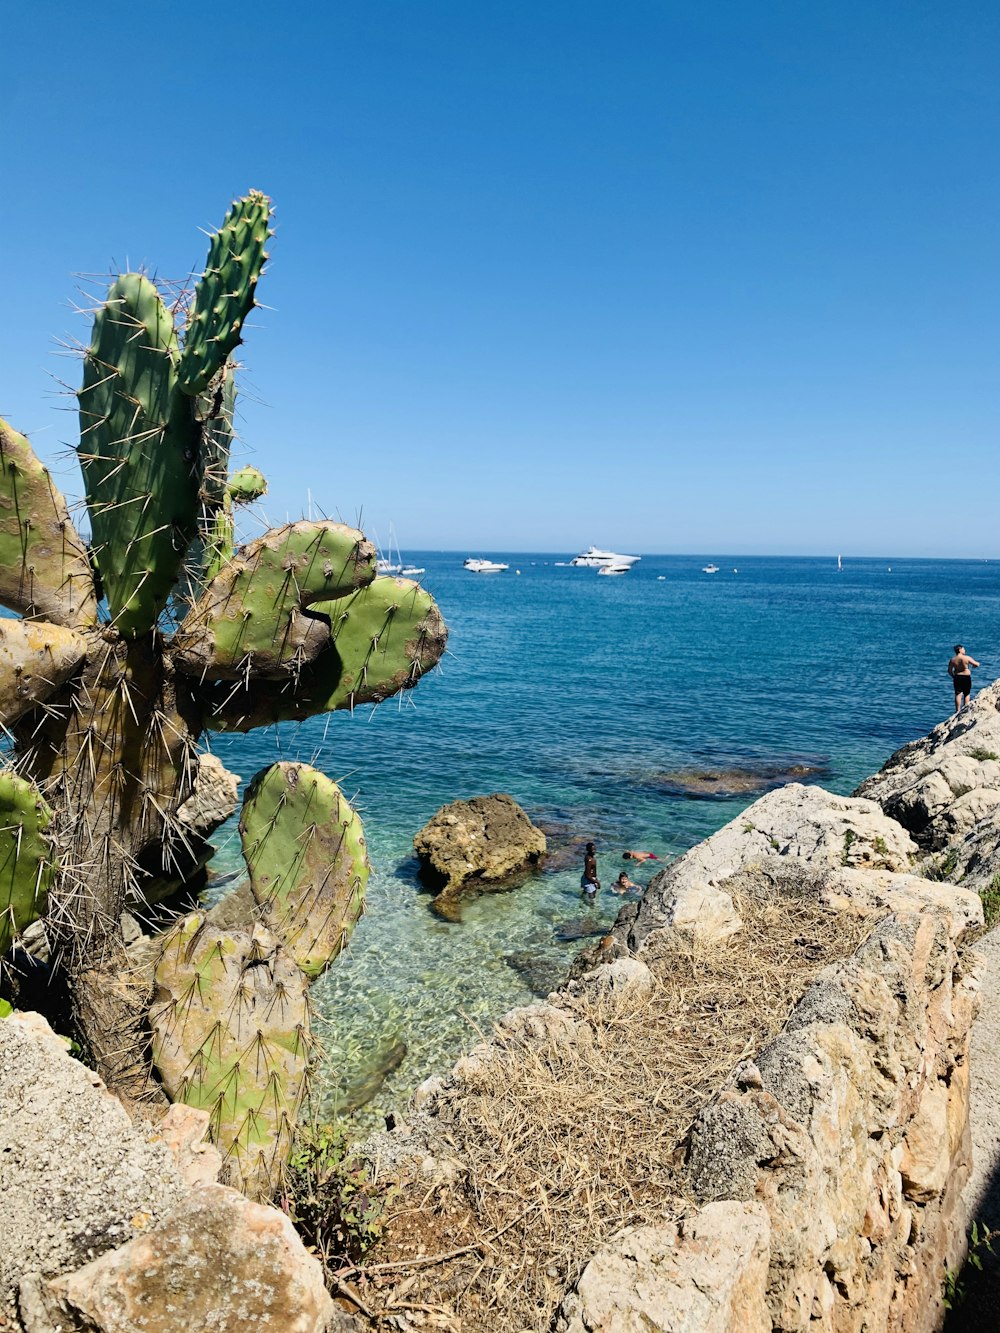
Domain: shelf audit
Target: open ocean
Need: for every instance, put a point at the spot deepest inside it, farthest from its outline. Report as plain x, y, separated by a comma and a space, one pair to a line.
576, 693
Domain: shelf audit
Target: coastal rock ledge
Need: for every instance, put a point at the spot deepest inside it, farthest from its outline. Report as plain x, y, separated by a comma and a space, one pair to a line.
485, 843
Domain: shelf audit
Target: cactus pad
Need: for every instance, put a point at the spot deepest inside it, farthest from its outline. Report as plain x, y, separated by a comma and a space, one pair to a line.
246, 486
44, 571
36, 658
305, 849
224, 295
252, 618
139, 445
382, 640
27, 864
230, 1021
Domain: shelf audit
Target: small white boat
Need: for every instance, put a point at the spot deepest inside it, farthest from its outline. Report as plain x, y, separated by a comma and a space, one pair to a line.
475, 566
412, 571
710, 569
593, 557
614, 569
386, 566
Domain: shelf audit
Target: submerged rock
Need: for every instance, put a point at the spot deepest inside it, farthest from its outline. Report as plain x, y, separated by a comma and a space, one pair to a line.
486, 843
366, 1082
538, 971
720, 784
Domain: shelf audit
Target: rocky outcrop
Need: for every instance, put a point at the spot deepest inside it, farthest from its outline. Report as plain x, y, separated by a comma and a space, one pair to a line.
111, 1228
946, 784
483, 844
215, 1261
213, 800
76, 1179
795, 825
707, 1273
851, 1129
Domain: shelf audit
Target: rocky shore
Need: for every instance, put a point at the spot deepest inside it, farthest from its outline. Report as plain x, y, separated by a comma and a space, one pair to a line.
747, 1110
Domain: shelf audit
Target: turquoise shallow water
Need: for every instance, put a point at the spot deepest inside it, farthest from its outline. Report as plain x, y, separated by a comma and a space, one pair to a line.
571, 692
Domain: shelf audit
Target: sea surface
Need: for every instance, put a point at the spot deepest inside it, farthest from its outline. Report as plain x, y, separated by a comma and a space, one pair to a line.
583, 696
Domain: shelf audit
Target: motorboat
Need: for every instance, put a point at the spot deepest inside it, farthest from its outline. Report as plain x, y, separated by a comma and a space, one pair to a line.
593, 558
710, 569
384, 565
614, 569
475, 566
412, 571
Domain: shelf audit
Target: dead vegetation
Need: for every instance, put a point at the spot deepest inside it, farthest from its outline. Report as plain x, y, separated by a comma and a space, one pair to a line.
566, 1140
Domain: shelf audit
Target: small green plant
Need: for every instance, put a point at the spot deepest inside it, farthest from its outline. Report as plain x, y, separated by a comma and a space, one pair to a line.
775, 844
981, 1239
6, 1009
983, 755
850, 838
991, 902
942, 867
748, 827
881, 846
330, 1196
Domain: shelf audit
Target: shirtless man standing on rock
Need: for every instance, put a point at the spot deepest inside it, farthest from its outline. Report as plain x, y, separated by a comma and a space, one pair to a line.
959, 669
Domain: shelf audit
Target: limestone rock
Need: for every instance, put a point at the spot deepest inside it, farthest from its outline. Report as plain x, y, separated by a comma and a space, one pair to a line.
76, 1178
851, 1128
920, 784
184, 1129
216, 1261
806, 826
213, 800
707, 1275
484, 843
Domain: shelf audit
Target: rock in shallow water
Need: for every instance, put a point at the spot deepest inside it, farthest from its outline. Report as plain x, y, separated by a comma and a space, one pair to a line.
486, 843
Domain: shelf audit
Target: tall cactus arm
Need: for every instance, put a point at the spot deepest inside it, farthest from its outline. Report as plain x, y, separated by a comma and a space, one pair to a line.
36, 658
44, 571
224, 295
305, 850
27, 863
139, 445
253, 618
230, 1022
382, 640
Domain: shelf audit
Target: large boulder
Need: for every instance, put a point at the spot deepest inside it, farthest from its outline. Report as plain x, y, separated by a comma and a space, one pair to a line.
485, 843
76, 1177
215, 1261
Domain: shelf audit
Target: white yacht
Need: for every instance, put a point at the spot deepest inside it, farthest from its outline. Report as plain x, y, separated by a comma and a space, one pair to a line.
710, 569
475, 566
593, 558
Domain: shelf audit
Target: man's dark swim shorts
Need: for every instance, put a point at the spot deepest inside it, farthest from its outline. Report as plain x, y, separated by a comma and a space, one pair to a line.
963, 683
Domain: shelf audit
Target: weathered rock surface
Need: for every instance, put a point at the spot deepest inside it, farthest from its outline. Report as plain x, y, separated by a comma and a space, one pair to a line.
215, 1262
706, 1275
851, 1129
76, 1178
806, 826
922, 784
484, 843
213, 800
720, 784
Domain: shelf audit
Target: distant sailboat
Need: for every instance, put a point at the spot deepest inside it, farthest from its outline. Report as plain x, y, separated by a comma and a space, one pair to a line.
840, 565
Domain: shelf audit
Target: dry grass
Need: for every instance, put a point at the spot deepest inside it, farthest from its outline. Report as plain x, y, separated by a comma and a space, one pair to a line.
566, 1142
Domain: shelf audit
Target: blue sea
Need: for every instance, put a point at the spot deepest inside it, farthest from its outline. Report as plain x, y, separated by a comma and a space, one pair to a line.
576, 693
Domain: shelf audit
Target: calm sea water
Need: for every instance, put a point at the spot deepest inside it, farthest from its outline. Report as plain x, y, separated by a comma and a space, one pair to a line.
573, 692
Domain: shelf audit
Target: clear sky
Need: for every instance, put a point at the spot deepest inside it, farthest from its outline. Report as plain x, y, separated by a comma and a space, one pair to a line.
664, 276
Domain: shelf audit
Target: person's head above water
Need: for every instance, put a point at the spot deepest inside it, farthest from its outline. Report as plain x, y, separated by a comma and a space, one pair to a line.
959, 647
591, 847
623, 878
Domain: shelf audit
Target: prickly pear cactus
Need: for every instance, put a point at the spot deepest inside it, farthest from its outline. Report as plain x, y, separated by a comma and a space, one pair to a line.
305, 850
129, 650
27, 862
230, 1022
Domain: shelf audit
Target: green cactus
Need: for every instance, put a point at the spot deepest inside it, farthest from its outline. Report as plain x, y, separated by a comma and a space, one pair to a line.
27, 862
230, 1023
225, 295
106, 717
253, 617
382, 640
305, 850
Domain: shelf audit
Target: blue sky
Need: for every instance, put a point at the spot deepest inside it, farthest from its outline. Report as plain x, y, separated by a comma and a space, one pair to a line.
662, 276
